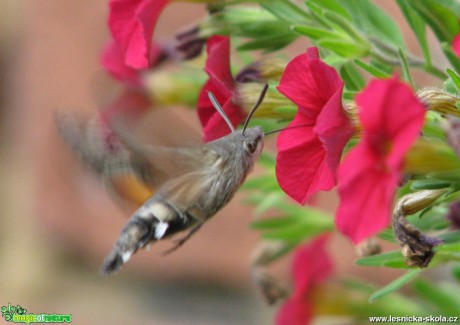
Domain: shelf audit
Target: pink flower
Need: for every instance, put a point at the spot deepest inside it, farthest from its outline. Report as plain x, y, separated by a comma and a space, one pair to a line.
311, 266
113, 61
392, 118
131, 23
456, 45
222, 85
131, 104
308, 156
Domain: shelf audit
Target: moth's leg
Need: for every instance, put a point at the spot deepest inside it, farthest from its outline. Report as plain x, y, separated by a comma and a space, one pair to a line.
178, 243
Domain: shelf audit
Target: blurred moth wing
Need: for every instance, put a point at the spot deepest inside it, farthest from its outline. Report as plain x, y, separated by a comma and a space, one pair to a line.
98, 147
129, 174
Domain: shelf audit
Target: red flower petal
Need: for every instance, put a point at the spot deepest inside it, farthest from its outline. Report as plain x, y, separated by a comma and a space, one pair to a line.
222, 85
334, 130
392, 118
294, 312
456, 45
131, 23
311, 266
301, 167
308, 157
366, 193
113, 61
218, 64
309, 82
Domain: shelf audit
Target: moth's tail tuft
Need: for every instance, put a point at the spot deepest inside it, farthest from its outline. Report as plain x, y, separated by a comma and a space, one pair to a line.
136, 234
112, 264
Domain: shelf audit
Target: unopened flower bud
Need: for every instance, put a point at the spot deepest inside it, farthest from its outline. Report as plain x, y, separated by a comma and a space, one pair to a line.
266, 252
351, 111
367, 248
166, 88
420, 200
273, 105
419, 158
439, 101
262, 71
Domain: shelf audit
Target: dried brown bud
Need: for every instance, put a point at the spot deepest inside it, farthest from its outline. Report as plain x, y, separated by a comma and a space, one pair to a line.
367, 248
417, 247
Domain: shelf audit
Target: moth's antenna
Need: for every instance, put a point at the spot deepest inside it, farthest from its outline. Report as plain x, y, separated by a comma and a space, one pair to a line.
256, 105
288, 128
218, 108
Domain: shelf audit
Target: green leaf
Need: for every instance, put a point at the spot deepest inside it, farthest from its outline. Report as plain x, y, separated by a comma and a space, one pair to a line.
269, 42
314, 32
274, 222
451, 248
374, 22
446, 301
448, 175
451, 56
431, 218
450, 237
352, 78
382, 66
305, 212
456, 272
429, 184
331, 5
418, 25
392, 259
298, 232
286, 110
395, 285
349, 94
406, 71
343, 48
301, 223
286, 10
346, 26
371, 69
440, 16
270, 200
455, 79
446, 253
387, 235
266, 183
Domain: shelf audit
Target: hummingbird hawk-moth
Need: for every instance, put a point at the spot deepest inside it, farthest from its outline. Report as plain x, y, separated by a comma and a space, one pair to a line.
192, 182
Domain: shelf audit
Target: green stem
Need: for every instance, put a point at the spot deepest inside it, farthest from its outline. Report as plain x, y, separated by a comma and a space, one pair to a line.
412, 61
435, 71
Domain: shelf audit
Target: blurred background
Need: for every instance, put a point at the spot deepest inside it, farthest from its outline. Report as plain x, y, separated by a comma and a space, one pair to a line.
58, 223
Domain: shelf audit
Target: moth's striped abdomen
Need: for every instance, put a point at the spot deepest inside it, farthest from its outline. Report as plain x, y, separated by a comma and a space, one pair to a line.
155, 220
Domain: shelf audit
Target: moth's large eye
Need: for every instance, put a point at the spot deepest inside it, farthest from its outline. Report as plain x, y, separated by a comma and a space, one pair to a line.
250, 146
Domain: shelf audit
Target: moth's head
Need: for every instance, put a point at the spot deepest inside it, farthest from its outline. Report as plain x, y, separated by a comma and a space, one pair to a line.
253, 140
